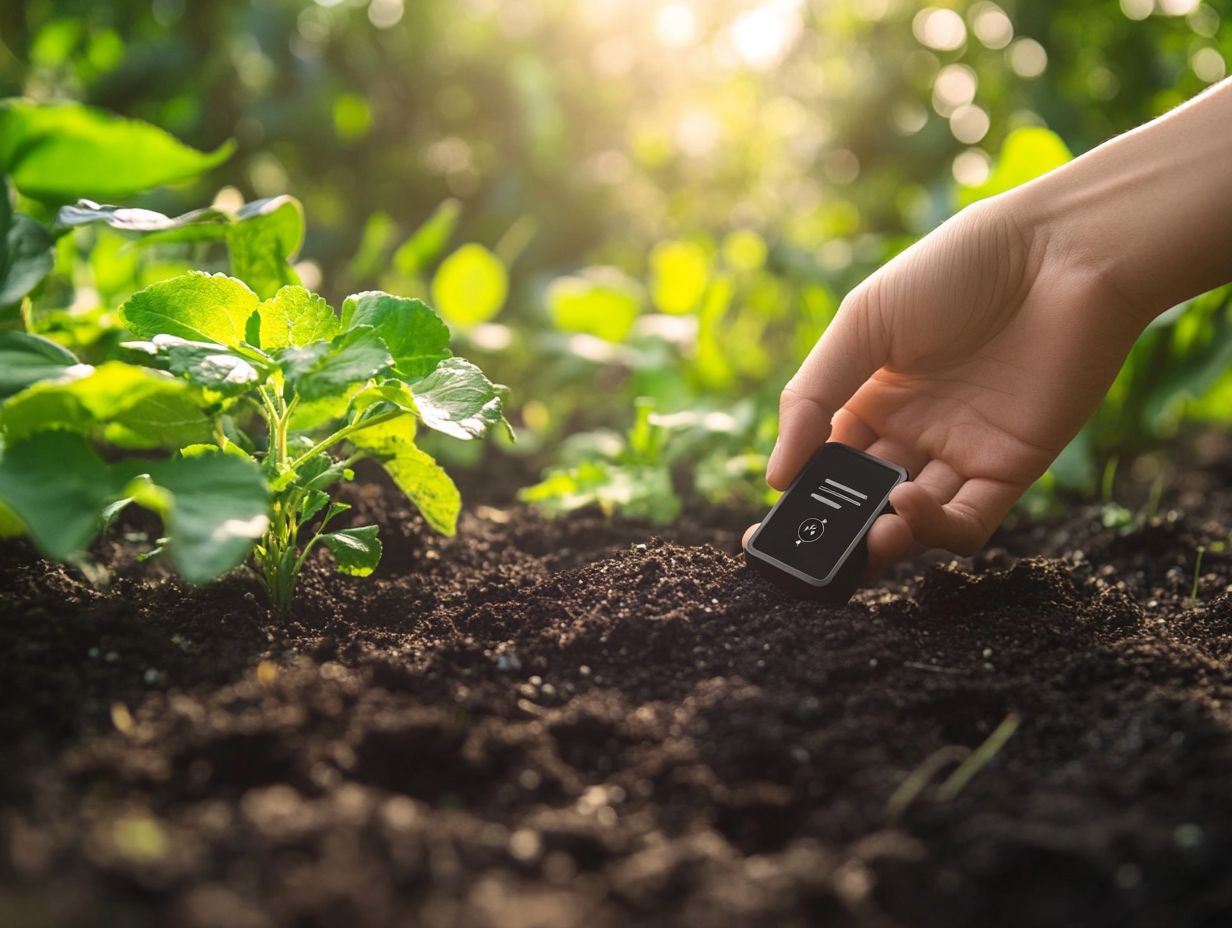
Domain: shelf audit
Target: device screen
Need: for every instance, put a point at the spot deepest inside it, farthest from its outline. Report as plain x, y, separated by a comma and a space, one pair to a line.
816, 522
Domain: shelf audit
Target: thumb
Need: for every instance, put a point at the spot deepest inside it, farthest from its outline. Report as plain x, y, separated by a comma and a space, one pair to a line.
852, 348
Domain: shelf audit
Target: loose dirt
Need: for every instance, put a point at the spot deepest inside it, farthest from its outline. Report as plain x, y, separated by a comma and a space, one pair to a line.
563, 723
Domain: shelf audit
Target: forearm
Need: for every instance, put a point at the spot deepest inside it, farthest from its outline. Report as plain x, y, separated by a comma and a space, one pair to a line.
1149, 212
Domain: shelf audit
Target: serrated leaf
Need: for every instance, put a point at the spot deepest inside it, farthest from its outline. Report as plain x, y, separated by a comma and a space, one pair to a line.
356, 551
458, 399
61, 151
328, 368
413, 332
26, 359
134, 406
214, 507
423, 481
57, 486
470, 286
293, 318
195, 306
204, 364
26, 253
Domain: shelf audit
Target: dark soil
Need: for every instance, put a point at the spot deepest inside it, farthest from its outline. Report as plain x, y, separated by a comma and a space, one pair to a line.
575, 723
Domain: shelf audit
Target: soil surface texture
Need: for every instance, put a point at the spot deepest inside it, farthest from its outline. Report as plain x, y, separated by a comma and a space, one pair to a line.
579, 722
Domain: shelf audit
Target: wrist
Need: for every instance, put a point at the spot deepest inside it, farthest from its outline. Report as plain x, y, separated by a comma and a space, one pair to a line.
1146, 217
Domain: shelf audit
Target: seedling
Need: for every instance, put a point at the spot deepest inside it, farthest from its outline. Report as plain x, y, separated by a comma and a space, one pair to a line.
969, 764
1215, 547
268, 404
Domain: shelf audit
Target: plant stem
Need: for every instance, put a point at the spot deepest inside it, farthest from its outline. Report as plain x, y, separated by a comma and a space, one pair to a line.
1193, 593
330, 440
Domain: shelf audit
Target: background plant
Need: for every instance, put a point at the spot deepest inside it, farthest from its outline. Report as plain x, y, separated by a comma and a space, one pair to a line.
660, 198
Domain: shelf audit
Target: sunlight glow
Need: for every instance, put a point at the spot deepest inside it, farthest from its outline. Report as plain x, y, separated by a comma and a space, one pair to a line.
765, 34
676, 25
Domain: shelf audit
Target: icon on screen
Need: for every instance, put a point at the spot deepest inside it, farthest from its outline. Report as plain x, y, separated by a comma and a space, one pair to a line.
810, 530
835, 495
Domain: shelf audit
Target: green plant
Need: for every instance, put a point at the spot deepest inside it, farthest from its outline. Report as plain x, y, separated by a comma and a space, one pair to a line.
267, 405
660, 464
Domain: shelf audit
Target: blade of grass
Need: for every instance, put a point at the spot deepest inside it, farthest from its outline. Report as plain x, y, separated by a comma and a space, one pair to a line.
978, 758
921, 776
1193, 593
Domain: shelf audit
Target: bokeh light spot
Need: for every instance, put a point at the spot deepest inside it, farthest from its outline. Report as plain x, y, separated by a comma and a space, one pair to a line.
1028, 58
991, 25
941, 29
972, 167
1208, 64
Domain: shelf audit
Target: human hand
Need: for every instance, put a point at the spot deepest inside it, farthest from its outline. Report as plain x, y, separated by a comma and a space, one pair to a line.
971, 359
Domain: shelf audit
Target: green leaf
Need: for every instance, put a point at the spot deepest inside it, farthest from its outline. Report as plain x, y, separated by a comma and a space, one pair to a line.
680, 271
61, 151
262, 236
413, 332
458, 399
470, 286
293, 318
1027, 153
600, 301
314, 501
428, 241
210, 222
263, 240
26, 252
328, 368
205, 364
418, 476
195, 306
10, 525
214, 507
637, 491
137, 408
58, 486
394, 392
26, 359
356, 551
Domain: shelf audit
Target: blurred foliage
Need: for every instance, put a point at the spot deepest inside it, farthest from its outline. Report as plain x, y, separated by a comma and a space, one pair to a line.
654, 198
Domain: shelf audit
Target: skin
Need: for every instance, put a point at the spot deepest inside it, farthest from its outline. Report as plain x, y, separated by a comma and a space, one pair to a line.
973, 357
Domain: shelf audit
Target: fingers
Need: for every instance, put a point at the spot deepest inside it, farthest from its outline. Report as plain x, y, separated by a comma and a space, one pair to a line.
851, 430
748, 533
889, 540
962, 524
850, 350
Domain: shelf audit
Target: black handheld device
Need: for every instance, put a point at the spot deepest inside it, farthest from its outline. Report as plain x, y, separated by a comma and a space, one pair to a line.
812, 541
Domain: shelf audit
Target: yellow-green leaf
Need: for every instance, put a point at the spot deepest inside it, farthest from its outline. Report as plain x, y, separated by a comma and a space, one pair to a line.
470, 286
